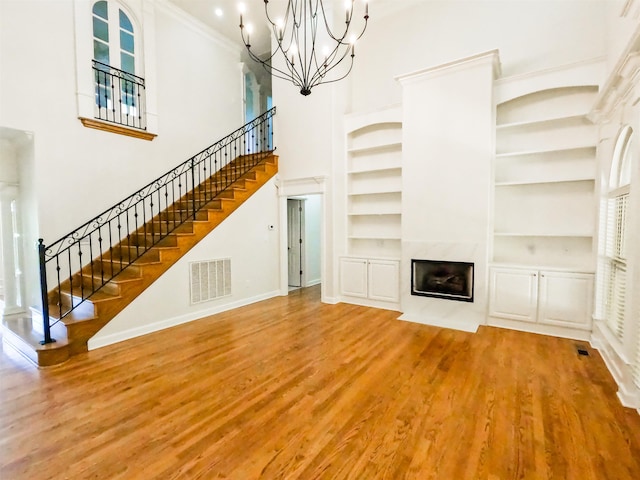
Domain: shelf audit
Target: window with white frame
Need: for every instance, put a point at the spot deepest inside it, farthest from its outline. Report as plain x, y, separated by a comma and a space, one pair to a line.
613, 262
119, 92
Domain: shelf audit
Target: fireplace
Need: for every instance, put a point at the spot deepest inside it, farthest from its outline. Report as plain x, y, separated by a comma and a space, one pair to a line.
440, 279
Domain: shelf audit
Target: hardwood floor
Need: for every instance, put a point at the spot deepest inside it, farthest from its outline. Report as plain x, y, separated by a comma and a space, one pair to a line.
290, 388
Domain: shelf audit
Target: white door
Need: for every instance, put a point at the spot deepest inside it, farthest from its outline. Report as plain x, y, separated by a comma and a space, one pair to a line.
514, 294
353, 277
295, 234
566, 299
383, 280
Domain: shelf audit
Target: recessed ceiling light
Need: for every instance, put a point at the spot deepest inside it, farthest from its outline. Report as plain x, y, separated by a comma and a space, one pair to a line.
218, 12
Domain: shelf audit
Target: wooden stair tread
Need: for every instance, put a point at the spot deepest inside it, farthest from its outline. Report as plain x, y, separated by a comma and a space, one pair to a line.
125, 275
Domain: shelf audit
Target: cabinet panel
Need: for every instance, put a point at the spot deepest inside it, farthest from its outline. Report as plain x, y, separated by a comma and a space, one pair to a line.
384, 280
565, 299
514, 294
353, 277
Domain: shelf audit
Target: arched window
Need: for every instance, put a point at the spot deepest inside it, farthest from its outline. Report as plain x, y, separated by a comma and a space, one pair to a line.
614, 261
113, 37
119, 91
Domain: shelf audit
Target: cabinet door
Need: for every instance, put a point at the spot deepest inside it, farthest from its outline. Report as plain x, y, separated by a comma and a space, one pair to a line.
384, 280
514, 294
353, 277
565, 299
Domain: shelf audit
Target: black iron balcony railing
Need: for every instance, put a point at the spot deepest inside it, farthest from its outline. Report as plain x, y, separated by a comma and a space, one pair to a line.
120, 96
83, 261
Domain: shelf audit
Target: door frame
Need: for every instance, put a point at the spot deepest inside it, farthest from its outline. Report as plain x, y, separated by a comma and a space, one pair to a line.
302, 244
301, 187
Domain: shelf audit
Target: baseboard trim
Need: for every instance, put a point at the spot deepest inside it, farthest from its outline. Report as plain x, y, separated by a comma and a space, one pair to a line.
366, 302
106, 340
618, 366
471, 327
329, 300
550, 330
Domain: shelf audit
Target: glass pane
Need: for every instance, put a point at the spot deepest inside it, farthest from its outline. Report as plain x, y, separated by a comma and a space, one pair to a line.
102, 78
127, 63
125, 23
100, 9
126, 41
100, 29
101, 52
103, 97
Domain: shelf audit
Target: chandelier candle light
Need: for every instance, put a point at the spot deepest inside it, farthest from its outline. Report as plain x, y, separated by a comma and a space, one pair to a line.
297, 36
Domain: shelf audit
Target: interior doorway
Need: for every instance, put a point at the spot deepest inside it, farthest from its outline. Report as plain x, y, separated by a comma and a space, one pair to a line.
295, 240
304, 240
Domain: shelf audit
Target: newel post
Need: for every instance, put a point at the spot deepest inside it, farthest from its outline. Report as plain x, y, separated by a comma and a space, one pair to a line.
44, 293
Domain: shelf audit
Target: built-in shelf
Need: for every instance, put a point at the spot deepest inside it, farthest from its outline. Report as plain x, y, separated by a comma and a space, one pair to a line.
553, 268
550, 121
545, 151
373, 148
545, 176
373, 214
548, 235
376, 192
374, 185
372, 237
543, 182
390, 169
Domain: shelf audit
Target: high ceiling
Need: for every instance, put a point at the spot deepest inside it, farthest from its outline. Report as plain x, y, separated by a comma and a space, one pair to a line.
224, 17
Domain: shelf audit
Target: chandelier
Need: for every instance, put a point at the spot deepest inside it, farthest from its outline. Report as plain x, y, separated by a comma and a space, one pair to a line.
304, 28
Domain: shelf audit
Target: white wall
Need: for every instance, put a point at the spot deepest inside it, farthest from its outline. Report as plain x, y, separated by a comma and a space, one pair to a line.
254, 253
81, 171
530, 34
8, 164
74, 172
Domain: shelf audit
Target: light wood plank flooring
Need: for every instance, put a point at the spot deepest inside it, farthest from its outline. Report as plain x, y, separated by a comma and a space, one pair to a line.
293, 389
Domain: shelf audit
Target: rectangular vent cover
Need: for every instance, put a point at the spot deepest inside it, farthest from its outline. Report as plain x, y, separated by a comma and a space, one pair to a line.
210, 280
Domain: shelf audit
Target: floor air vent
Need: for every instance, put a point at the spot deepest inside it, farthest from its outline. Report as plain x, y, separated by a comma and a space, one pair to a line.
210, 280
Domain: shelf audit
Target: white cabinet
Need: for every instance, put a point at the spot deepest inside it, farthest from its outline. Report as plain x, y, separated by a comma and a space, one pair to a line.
565, 299
353, 277
514, 294
374, 279
561, 299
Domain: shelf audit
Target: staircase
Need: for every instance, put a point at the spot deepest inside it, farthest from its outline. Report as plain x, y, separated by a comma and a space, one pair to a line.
92, 296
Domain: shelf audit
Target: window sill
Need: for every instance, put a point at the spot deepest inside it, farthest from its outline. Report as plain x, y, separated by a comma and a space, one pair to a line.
115, 128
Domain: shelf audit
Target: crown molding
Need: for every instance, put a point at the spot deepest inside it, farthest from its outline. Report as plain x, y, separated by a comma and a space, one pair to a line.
460, 64
621, 82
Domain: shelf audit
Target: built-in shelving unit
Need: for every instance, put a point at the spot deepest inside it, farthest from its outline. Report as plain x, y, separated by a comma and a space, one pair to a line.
374, 189
544, 183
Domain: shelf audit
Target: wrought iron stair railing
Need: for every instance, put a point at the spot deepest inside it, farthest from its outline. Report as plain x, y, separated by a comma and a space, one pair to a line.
82, 262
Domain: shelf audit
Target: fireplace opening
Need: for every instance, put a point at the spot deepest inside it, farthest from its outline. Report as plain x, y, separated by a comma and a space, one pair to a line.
440, 279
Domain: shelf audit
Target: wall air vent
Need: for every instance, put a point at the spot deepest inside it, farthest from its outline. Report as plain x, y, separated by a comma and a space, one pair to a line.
210, 279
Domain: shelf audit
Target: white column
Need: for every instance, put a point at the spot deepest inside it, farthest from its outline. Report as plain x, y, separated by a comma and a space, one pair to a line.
13, 301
